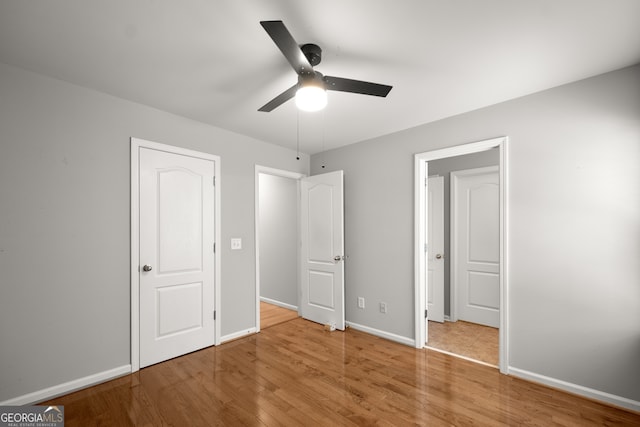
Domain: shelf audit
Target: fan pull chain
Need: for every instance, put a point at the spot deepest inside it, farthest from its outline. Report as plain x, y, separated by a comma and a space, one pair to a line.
297, 134
324, 114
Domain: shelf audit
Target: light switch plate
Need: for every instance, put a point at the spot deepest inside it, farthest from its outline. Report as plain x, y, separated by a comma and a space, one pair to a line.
236, 243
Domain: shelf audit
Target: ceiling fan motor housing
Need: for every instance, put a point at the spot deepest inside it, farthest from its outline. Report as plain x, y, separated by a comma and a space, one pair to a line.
312, 52
315, 79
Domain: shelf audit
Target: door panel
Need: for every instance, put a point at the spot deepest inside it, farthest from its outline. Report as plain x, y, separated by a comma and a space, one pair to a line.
321, 289
171, 315
483, 289
179, 221
320, 226
476, 221
435, 247
176, 242
322, 261
484, 223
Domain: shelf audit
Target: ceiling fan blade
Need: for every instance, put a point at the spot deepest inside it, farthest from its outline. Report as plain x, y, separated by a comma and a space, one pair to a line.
280, 99
356, 86
288, 46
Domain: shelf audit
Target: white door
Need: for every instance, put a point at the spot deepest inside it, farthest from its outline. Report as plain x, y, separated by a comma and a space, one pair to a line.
435, 249
476, 244
176, 254
322, 253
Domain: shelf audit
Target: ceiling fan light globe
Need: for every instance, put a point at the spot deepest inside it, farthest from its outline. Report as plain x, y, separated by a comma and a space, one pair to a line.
311, 98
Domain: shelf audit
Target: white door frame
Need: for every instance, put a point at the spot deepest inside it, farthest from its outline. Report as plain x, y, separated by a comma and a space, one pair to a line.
136, 145
421, 173
284, 174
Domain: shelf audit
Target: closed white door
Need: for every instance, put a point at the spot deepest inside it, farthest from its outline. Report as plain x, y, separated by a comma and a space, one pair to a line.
435, 249
322, 252
176, 254
476, 243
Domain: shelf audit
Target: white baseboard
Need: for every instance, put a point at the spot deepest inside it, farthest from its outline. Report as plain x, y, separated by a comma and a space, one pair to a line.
236, 335
279, 304
382, 334
68, 387
590, 393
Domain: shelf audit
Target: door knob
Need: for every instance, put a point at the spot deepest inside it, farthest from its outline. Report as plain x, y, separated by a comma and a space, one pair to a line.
439, 256
337, 258
147, 267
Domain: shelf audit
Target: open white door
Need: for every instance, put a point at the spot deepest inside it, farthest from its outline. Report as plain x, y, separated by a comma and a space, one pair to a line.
322, 253
176, 246
475, 230
435, 249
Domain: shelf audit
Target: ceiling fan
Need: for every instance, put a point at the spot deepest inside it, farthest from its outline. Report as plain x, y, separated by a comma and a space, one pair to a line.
310, 91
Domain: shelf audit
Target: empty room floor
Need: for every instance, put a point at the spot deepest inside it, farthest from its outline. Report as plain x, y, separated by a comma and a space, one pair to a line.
466, 339
295, 373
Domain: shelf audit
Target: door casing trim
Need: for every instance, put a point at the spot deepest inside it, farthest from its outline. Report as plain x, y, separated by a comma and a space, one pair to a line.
136, 145
420, 174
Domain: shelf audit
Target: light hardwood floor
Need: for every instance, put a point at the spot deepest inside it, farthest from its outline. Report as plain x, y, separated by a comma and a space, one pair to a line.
296, 374
271, 315
466, 339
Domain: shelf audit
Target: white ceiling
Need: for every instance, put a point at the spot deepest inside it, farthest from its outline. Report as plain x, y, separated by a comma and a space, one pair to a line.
211, 60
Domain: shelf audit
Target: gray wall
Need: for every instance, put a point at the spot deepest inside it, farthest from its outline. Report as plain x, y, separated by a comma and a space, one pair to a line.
278, 238
574, 230
444, 167
64, 225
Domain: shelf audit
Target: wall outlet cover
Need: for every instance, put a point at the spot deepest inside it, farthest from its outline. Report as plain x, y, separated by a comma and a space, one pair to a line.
236, 243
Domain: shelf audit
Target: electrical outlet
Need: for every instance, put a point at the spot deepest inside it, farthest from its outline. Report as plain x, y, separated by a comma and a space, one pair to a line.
383, 307
236, 243
360, 302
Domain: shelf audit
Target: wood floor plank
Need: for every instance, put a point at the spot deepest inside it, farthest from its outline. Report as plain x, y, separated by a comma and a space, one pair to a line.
297, 374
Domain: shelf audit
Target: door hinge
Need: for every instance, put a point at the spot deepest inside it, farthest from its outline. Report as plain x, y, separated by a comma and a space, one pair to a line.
214, 181
425, 247
214, 248
425, 314
214, 315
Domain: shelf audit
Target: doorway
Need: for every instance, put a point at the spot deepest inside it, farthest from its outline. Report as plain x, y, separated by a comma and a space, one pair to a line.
317, 233
439, 162
277, 243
